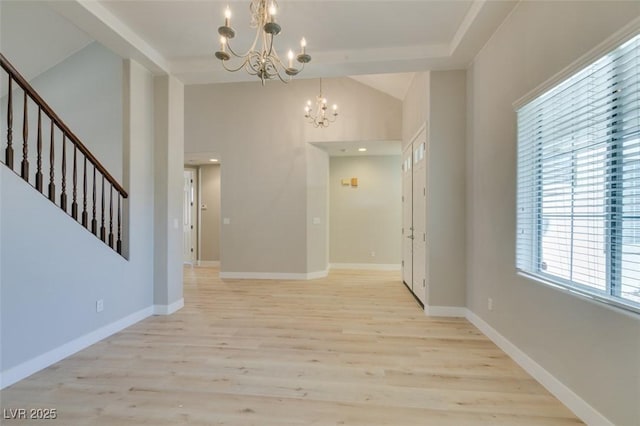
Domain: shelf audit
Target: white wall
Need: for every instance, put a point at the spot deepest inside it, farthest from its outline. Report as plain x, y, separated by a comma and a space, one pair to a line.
317, 210
415, 107
592, 349
169, 180
85, 91
438, 99
366, 218
446, 186
138, 176
261, 136
56, 270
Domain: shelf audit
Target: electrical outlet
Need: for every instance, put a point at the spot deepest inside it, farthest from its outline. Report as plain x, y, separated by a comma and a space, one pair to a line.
99, 305
373, 253
490, 304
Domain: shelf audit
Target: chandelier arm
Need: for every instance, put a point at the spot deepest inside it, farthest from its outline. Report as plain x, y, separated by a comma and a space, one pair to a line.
251, 49
251, 64
273, 62
274, 53
268, 67
224, 65
284, 80
298, 70
249, 69
267, 41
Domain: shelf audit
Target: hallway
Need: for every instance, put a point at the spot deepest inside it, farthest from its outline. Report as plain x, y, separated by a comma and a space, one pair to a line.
352, 349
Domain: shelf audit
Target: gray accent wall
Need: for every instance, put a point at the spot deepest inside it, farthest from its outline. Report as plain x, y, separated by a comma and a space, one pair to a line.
591, 348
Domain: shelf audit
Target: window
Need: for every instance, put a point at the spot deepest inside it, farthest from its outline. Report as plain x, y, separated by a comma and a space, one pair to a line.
578, 211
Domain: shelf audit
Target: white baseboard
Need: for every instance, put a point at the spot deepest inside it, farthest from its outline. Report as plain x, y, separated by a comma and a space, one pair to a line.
168, 309
272, 275
580, 407
207, 263
367, 266
445, 311
26, 369
318, 274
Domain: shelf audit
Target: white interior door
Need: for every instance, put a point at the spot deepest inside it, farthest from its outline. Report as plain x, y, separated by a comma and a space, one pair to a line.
187, 222
419, 219
407, 216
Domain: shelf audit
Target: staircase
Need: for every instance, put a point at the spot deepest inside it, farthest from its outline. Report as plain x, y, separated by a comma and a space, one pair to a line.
76, 182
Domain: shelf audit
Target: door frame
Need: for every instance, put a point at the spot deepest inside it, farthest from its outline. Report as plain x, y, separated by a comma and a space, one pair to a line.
407, 203
410, 146
194, 216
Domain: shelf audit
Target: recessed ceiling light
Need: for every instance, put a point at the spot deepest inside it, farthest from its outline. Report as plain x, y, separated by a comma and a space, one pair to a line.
362, 149
213, 160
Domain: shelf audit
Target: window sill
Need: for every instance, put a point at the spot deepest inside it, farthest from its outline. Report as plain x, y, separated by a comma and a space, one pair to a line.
621, 308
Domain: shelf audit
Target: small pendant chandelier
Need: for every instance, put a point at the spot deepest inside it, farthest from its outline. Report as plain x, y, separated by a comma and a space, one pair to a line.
318, 116
264, 63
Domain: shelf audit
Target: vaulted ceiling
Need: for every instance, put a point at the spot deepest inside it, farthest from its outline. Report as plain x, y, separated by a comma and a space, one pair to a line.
365, 39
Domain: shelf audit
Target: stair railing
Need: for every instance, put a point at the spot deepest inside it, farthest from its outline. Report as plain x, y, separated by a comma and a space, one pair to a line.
97, 202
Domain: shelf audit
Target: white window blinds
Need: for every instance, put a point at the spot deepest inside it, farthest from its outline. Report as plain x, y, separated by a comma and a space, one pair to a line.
578, 211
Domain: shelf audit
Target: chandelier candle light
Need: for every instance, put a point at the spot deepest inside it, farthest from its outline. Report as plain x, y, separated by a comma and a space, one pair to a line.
265, 62
319, 117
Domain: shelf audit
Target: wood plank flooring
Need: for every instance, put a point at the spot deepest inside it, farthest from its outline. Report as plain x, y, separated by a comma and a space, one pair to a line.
351, 349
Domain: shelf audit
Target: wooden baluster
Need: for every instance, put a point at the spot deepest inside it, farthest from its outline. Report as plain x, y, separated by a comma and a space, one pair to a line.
24, 169
74, 202
85, 215
63, 195
94, 222
39, 162
9, 150
103, 230
119, 241
111, 216
52, 186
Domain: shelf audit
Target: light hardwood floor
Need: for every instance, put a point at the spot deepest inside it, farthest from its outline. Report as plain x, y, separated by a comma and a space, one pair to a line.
352, 349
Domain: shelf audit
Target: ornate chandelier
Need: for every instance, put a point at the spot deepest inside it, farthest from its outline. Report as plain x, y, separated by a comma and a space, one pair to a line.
318, 116
265, 62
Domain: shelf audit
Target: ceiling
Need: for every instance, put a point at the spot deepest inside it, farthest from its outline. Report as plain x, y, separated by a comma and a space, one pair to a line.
376, 42
345, 38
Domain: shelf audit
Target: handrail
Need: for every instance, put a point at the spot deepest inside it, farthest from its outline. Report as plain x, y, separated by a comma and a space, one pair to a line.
18, 78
